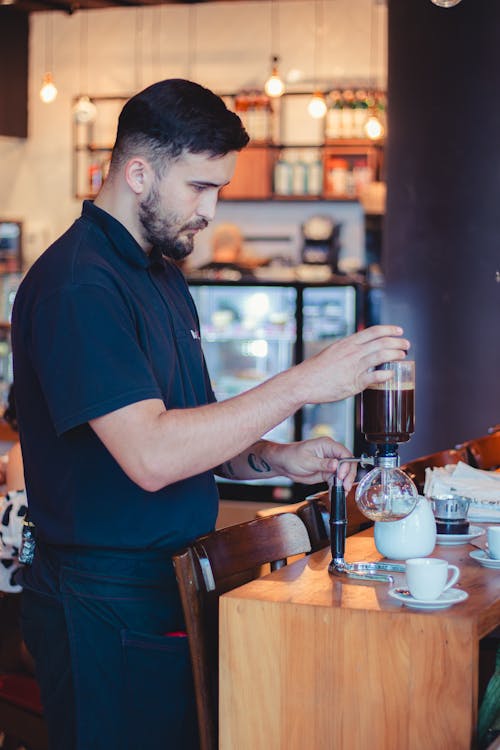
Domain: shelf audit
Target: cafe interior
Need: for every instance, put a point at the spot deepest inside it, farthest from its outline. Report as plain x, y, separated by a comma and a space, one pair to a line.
368, 193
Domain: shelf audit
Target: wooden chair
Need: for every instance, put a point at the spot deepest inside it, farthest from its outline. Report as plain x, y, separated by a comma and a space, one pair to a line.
21, 718
483, 452
314, 512
416, 469
209, 567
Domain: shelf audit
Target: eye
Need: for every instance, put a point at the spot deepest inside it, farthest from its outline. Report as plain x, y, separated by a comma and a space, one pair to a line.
198, 187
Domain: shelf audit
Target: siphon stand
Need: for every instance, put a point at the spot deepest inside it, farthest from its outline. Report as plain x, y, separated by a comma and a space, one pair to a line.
388, 458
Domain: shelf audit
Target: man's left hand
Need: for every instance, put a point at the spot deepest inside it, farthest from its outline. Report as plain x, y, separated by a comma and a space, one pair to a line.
313, 461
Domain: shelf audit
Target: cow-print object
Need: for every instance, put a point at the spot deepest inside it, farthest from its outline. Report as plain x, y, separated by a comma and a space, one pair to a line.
13, 507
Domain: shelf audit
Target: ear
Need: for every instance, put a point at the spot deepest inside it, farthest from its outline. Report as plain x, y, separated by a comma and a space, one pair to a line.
137, 174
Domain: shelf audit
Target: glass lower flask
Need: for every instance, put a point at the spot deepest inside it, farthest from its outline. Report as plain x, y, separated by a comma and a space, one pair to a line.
386, 494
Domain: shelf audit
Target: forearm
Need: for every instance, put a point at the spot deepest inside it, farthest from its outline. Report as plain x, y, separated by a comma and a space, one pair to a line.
165, 446
156, 447
253, 463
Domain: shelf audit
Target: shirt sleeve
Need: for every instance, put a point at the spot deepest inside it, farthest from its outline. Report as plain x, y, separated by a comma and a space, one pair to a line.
88, 355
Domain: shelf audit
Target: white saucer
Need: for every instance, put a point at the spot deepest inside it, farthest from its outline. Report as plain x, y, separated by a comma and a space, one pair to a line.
452, 540
482, 557
447, 599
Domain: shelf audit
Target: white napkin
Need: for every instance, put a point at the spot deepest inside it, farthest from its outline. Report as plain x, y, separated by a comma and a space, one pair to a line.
481, 487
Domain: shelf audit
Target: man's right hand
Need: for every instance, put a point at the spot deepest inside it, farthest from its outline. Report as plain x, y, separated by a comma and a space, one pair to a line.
346, 367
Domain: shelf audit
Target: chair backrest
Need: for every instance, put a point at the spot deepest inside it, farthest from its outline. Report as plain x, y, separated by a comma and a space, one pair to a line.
356, 520
21, 718
416, 469
314, 512
483, 452
209, 567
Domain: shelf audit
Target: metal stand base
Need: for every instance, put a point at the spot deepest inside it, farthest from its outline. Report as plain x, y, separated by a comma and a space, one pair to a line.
366, 571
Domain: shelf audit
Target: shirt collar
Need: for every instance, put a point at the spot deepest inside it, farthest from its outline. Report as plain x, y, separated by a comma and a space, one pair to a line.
120, 237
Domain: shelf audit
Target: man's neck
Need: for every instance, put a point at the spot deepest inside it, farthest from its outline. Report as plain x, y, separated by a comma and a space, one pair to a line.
123, 207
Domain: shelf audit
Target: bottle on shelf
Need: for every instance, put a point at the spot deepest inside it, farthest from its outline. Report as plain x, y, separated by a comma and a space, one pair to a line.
337, 177
333, 127
348, 128
360, 113
362, 174
282, 175
314, 171
299, 173
254, 110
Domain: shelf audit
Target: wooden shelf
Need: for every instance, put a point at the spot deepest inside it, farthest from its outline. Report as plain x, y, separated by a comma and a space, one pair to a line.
254, 178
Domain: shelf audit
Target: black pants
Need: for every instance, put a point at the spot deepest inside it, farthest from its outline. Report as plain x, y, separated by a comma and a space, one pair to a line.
113, 669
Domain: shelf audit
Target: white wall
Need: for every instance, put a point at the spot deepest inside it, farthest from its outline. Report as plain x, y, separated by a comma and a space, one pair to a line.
229, 49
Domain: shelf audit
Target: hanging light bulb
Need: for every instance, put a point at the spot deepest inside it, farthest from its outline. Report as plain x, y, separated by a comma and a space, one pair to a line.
274, 86
445, 3
317, 105
48, 92
373, 127
84, 111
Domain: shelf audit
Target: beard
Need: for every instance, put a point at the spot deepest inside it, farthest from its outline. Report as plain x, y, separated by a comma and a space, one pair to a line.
162, 229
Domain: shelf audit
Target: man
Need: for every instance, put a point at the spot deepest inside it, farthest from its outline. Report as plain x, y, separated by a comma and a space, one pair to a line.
121, 433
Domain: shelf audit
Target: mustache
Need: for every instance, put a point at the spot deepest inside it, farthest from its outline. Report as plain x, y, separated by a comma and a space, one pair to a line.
201, 224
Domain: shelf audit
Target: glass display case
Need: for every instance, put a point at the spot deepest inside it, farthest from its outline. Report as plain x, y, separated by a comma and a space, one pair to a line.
251, 331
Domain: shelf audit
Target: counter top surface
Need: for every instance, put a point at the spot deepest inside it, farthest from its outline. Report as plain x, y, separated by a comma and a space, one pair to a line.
308, 582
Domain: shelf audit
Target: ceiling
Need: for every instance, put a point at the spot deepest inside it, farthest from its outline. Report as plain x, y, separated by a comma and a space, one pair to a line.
71, 6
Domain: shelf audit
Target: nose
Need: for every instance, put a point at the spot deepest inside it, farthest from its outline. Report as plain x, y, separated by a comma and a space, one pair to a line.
207, 204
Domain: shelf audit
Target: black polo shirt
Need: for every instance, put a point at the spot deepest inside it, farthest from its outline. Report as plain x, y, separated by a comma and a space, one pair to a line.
97, 324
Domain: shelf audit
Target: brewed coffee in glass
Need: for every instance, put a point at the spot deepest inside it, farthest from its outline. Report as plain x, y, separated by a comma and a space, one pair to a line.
388, 409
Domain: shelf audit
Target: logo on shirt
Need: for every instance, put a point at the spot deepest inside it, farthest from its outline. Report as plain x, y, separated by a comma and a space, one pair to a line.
195, 335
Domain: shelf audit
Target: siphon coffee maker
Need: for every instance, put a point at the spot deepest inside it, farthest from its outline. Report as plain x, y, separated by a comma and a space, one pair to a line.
385, 493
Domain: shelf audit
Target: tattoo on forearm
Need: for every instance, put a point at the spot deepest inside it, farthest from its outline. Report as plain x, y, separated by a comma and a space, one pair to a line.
226, 470
258, 464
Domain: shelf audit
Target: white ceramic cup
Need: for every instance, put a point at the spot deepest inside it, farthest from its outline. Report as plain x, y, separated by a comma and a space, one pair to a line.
493, 534
427, 577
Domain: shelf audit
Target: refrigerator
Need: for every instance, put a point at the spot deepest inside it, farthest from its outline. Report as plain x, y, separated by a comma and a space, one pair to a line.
251, 331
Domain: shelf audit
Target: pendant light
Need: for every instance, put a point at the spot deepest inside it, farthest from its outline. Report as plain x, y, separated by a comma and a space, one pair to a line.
48, 92
374, 127
192, 37
317, 104
138, 49
84, 110
445, 3
274, 86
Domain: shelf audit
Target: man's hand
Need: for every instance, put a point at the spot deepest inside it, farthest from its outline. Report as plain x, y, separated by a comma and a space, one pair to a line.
345, 368
310, 461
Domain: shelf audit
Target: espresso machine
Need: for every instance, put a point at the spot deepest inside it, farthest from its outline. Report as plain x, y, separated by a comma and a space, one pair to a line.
385, 493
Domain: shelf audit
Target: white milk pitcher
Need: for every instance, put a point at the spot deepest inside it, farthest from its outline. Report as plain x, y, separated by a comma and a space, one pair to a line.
412, 536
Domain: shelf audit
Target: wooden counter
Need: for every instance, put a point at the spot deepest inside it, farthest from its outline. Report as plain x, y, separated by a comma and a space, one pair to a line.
310, 661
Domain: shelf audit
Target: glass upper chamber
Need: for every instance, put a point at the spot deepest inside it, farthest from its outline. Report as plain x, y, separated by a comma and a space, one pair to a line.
386, 493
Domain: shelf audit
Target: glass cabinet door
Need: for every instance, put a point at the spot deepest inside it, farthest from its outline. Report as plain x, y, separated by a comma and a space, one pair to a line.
329, 313
248, 335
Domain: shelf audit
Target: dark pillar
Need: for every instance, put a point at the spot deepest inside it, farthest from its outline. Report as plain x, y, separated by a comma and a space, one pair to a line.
14, 29
442, 228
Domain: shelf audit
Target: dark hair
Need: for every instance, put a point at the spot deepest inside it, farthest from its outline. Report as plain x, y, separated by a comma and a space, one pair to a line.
175, 115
